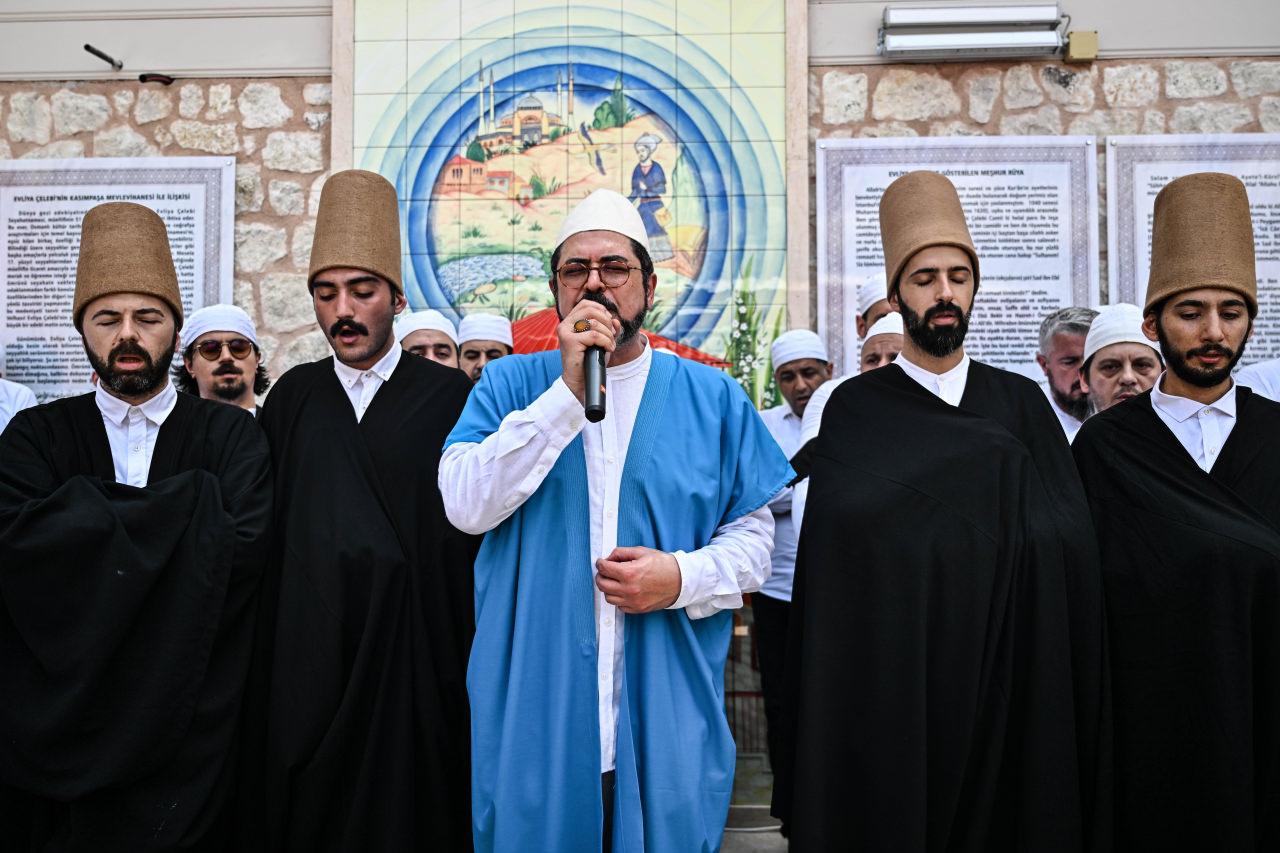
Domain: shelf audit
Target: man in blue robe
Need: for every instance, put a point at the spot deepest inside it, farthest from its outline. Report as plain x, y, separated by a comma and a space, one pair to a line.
648, 186
613, 555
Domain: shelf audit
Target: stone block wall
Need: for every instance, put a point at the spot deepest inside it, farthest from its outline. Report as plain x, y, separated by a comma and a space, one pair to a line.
1045, 98
277, 129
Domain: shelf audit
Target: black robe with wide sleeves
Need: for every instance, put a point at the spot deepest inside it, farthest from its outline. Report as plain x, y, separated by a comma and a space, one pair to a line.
931, 654
366, 744
126, 628
1191, 563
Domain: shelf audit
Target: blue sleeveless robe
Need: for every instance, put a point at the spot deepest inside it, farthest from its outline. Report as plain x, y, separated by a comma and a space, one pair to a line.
699, 458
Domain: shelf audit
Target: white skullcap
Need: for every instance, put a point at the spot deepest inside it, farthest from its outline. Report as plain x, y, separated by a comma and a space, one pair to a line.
415, 321
604, 210
485, 327
870, 291
1120, 323
218, 318
889, 324
796, 344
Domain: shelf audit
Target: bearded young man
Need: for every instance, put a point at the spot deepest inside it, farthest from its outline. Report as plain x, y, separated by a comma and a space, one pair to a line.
360, 684
1062, 336
133, 533
947, 641
614, 553
1184, 483
221, 359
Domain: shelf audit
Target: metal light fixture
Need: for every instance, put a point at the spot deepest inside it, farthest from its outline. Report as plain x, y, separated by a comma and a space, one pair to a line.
952, 33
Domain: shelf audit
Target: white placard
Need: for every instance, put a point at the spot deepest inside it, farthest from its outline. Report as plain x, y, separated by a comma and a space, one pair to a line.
1032, 207
42, 203
1138, 167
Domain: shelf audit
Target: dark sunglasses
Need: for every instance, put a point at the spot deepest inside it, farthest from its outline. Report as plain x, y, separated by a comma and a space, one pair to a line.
212, 350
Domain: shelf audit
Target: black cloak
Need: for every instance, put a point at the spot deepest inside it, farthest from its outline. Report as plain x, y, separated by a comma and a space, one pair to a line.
367, 741
934, 649
1191, 564
127, 626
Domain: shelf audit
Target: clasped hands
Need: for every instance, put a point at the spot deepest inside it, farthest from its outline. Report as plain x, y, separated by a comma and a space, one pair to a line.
639, 580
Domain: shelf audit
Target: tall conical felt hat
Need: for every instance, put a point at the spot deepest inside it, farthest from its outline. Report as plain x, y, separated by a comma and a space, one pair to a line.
124, 248
1202, 236
919, 210
358, 226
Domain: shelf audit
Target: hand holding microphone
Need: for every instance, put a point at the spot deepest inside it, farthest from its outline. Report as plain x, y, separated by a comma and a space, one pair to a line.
587, 335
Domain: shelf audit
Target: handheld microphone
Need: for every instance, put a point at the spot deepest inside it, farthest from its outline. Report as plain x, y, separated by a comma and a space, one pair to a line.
593, 367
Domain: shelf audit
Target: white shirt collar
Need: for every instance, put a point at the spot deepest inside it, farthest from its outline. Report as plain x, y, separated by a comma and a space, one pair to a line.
636, 366
920, 374
383, 369
156, 410
1182, 408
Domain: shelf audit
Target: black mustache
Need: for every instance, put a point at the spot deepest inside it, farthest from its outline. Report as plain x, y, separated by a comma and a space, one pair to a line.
227, 369
943, 310
599, 298
128, 348
1211, 349
345, 325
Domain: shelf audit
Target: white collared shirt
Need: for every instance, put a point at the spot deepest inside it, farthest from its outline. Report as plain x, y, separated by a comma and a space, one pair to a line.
1202, 428
785, 427
13, 399
362, 385
1263, 377
132, 431
949, 386
484, 483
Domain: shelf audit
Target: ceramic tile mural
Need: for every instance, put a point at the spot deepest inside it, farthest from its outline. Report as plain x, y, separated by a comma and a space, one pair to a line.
492, 117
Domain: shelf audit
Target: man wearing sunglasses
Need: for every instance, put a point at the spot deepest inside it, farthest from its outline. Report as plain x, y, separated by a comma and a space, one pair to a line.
220, 354
614, 554
133, 536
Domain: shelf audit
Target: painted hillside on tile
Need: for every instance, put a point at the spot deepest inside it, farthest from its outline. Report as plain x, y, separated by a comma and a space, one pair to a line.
493, 117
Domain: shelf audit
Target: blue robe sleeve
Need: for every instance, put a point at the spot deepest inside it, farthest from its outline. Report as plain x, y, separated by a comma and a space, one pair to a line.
751, 461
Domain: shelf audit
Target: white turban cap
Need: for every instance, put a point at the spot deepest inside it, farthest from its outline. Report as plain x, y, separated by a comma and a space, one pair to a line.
218, 318
870, 291
1120, 323
797, 344
416, 321
889, 324
485, 327
604, 210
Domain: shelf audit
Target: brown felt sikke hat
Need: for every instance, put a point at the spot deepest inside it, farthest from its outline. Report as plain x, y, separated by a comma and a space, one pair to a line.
1202, 236
124, 248
358, 226
919, 210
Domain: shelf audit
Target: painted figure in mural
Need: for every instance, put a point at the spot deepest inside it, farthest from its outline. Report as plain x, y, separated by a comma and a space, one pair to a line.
577, 745
648, 185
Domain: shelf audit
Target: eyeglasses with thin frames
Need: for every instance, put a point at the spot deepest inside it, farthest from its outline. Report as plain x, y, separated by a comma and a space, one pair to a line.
212, 350
612, 274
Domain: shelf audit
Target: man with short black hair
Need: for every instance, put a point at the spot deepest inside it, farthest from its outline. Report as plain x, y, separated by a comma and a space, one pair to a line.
1061, 343
1119, 362
946, 643
364, 651
219, 350
1182, 481
133, 535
